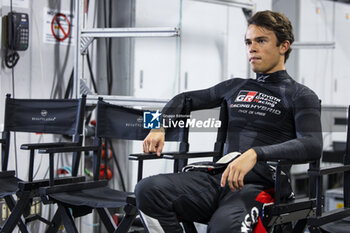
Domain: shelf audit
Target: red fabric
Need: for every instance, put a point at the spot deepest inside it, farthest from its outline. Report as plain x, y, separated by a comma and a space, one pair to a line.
259, 228
265, 196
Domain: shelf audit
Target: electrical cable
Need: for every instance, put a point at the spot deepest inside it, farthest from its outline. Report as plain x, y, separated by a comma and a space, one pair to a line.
15, 150
91, 73
57, 84
114, 156
109, 58
69, 88
106, 42
13, 95
12, 56
11, 59
108, 47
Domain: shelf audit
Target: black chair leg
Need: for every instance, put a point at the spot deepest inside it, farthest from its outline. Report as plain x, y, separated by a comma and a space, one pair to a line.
139, 170
10, 202
130, 215
55, 223
67, 219
106, 219
189, 227
17, 210
300, 226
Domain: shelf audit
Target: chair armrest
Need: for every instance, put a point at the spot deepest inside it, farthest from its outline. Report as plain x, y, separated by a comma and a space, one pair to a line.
173, 155
46, 145
131, 199
188, 155
144, 156
68, 149
330, 170
28, 186
72, 187
7, 174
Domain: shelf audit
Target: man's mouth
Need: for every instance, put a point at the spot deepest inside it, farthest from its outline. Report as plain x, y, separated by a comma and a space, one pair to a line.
252, 59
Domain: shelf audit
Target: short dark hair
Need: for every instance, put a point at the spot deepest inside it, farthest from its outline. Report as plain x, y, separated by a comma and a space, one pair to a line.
276, 22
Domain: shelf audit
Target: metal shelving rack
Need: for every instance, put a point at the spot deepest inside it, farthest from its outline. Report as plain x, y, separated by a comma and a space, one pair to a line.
84, 38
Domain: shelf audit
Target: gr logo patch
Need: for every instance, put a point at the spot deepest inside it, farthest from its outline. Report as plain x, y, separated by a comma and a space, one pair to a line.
246, 96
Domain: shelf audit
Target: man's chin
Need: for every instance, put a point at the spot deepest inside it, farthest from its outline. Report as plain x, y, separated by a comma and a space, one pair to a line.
260, 70
257, 70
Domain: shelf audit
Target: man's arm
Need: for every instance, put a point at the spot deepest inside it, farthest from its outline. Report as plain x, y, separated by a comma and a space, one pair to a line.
306, 146
201, 99
308, 143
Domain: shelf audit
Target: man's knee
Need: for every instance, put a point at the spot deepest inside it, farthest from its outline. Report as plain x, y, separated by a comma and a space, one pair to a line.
143, 190
148, 191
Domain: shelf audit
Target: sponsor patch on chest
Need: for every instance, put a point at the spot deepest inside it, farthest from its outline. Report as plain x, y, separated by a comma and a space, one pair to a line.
256, 103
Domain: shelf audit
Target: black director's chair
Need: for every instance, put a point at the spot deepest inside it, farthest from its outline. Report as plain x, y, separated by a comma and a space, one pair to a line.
328, 221
79, 199
58, 117
279, 215
298, 214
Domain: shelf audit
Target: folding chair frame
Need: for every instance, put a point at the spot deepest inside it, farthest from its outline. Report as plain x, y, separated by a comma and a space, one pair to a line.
63, 214
27, 190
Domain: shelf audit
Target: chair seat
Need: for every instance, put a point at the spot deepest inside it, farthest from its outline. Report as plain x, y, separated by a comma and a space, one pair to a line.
102, 197
8, 186
340, 226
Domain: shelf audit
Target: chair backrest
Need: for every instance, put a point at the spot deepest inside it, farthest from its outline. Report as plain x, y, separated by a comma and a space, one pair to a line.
63, 116
114, 121
118, 122
222, 131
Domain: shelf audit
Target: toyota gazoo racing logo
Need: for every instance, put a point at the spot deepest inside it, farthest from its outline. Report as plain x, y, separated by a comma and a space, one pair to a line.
246, 96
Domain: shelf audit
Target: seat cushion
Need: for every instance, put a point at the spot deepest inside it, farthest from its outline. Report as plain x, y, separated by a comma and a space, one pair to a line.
102, 197
8, 186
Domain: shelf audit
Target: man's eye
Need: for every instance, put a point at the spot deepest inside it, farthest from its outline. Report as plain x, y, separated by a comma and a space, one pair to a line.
248, 43
261, 40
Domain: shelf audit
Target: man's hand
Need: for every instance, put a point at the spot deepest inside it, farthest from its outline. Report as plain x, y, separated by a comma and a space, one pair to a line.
237, 169
154, 142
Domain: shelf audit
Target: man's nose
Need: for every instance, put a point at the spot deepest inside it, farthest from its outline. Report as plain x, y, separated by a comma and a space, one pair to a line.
252, 48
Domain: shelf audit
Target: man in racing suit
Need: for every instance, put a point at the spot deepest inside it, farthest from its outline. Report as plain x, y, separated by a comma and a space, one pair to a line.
270, 117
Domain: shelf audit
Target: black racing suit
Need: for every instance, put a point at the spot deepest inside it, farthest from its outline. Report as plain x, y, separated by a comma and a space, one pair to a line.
276, 116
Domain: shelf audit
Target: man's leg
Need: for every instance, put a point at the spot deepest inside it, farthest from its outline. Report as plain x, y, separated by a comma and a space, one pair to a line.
164, 199
237, 211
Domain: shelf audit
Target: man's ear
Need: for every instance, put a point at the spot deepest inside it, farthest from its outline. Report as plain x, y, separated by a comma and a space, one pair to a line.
284, 46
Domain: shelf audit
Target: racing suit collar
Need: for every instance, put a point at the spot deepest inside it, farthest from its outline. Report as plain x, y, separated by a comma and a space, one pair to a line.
273, 77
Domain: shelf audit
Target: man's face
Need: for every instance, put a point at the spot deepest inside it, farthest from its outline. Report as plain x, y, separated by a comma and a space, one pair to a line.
263, 53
